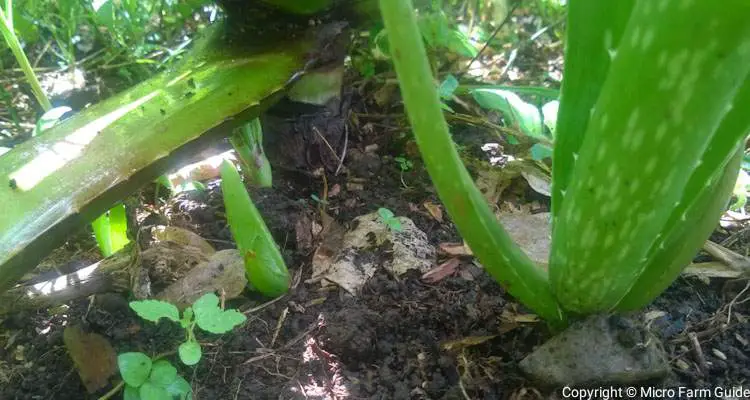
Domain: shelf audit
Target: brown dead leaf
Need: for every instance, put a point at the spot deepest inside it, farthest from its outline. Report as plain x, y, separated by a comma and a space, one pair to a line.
513, 317
93, 356
462, 343
435, 210
223, 272
303, 232
455, 249
441, 271
335, 190
183, 237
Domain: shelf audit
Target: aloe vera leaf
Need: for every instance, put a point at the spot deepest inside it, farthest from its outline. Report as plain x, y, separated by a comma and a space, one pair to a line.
265, 267
594, 31
111, 230
79, 168
502, 258
710, 188
675, 77
248, 144
100, 226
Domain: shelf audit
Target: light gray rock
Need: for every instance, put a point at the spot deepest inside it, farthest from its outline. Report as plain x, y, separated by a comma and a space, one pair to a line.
601, 350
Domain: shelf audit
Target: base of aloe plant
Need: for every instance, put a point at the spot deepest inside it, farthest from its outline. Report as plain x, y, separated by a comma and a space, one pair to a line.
602, 350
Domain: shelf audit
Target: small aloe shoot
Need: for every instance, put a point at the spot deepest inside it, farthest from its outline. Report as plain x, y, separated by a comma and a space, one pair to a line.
111, 230
265, 267
247, 141
204, 313
648, 143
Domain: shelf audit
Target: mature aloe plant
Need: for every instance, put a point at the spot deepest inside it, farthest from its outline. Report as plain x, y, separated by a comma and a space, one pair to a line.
648, 139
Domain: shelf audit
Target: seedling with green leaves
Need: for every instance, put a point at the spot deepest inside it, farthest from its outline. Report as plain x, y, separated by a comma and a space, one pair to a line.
404, 165
648, 142
387, 217
205, 314
147, 379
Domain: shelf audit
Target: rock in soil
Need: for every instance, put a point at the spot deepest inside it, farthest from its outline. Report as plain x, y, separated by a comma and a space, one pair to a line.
601, 350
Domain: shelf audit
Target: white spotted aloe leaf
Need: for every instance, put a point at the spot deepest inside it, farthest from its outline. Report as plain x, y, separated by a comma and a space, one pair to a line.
653, 160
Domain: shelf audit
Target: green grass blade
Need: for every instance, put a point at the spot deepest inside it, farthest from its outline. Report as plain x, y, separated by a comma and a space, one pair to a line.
675, 77
594, 30
490, 243
15, 46
265, 267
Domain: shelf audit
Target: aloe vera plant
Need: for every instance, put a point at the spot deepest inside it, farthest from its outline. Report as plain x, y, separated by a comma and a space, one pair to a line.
648, 143
266, 270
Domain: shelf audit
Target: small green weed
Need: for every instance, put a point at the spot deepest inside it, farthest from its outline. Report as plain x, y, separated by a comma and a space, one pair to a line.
389, 219
205, 313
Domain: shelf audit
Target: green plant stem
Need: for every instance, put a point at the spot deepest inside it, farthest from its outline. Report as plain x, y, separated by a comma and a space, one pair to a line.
6, 27
114, 391
488, 240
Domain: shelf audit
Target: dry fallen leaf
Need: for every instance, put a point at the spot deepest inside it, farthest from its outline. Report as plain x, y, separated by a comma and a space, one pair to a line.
455, 249
223, 272
93, 356
435, 210
303, 232
465, 342
441, 271
183, 237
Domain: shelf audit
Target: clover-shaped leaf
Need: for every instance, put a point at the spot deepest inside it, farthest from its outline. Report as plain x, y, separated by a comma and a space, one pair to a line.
153, 310
211, 318
134, 368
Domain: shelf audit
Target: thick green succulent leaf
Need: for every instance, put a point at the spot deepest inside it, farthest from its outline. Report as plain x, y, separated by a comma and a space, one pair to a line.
674, 79
247, 141
211, 318
594, 31
266, 270
692, 222
492, 245
680, 244
153, 310
111, 230
74, 172
134, 368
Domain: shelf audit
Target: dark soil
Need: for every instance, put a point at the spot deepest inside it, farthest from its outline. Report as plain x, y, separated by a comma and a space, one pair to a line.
385, 344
